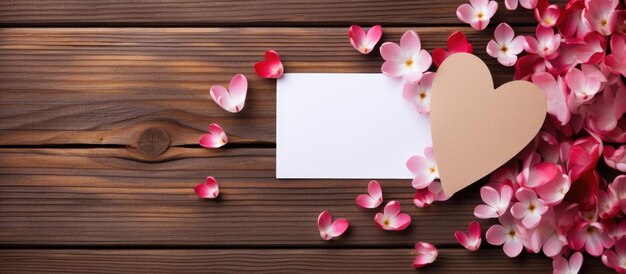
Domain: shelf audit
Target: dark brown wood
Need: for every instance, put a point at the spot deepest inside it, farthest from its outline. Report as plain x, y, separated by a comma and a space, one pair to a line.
109, 86
239, 12
119, 197
274, 261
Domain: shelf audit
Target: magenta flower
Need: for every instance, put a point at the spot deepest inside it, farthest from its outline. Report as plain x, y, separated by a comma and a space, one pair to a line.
374, 197
362, 41
407, 60
583, 85
426, 196
426, 254
419, 94
477, 13
506, 46
548, 15
215, 138
209, 190
470, 240
391, 218
556, 94
330, 229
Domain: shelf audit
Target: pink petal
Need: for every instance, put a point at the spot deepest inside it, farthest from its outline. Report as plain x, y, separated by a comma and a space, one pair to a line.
324, 220
423, 179
208, 190
329, 229
457, 42
560, 265
401, 221
507, 60
416, 164
410, 42
393, 69
510, 4
489, 195
374, 190
238, 88
338, 227
497, 235
493, 49
374, 199
512, 248
517, 45
575, 262
222, 98
465, 13
439, 55
358, 38
374, 34
392, 209
392, 52
427, 253
215, 138
272, 67
485, 212
504, 33
541, 174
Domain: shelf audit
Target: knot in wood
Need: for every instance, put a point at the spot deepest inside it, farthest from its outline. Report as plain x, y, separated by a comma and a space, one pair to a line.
153, 141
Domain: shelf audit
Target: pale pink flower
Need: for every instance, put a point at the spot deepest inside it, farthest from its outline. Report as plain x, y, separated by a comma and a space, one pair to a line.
426, 254
426, 196
507, 233
545, 44
555, 92
583, 86
617, 259
233, 99
529, 208
506, 45
590, 235
208, 190
527, 4
496, 203
616, 61
330, 229
470, 240
215, 138
374, 197
563, 266
615, 158
419, 94
547, 14
407, 60
424, 168
477, 13
362, 41
391, 218
601, 15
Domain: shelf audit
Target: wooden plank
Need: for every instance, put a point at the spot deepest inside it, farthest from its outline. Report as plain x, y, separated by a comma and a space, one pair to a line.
238, 13
118, 197
107, 86
274, 261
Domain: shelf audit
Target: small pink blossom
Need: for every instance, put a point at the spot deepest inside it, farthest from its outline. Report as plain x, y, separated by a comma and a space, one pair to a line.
470, 240
419, 94
506, 45
457, 42
548, 15
545, 44
215, 138
424, 168
527, 4
407, 60
563, 266
496, 203
615, 158
601, 15
529, 207
391, 218
233, 98
617, 259
374, 197
507, 233
426, 254
583, 86
426, 196
330, 229
477, 13
208, 190
362, 41
591, 236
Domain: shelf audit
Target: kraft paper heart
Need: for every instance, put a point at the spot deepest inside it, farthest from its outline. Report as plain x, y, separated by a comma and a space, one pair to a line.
476, 129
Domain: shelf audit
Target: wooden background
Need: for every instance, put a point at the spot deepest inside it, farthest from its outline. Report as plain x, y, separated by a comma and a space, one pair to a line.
101, 107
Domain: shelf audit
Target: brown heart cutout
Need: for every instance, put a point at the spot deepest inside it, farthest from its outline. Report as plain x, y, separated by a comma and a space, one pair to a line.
476, 129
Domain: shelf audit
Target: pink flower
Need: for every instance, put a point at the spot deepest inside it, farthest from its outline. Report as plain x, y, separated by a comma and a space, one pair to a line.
583, 156
545, 45
555, 91
424, 168
506, 233
426, 196
233, 99
457, 42
527, 4
419, 94
536, 174
208, 190
573, 23
478, 13
272, 67
617, 259
616, 61
471, 240
496, 203
604, 115
555, 190
215, 138
591, 236
601, 15
547, 14
583, 86
392, 219
362, 41
608, 203
426, 254
615, 158
506, 46
529, 208
375, 197
563, 266
407, 60
330, 229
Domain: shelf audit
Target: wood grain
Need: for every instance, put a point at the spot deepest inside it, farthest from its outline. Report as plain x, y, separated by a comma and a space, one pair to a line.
274, 261
107, 86
117, 197
238, 13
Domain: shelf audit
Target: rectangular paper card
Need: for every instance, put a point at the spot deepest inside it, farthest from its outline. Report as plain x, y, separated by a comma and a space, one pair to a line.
346, 125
